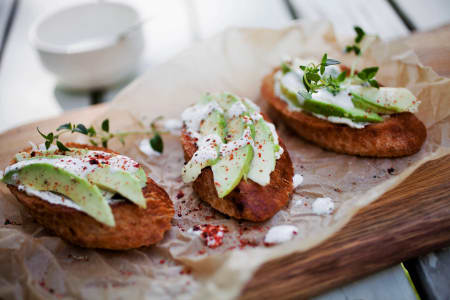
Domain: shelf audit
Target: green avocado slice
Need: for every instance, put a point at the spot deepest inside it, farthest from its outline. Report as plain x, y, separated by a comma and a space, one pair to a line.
234, 166
386, 100
327, 109
213, 124
46, 177
264, 159
118, 181
290, 95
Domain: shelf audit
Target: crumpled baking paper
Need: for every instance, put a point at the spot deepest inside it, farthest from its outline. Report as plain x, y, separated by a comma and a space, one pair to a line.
36, 264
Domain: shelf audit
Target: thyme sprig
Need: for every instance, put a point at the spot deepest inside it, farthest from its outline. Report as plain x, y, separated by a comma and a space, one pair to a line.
356, 47
366, 75
102, 136
314, 79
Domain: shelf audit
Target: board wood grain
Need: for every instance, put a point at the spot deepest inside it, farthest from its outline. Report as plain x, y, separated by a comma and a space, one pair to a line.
408, 221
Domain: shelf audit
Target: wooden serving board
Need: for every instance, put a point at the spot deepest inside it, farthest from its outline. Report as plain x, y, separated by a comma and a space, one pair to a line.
410, 220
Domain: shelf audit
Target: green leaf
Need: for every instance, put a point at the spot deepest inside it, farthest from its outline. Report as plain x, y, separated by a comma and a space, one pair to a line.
43, 135
94, 143
362, 76
91, 131
331, 62
303, 68
312, 76
359, 34
47, 144
156, 143
341, 76
61, 146
323, 64
81, 129
370, 72
348, 48
50, 137
64, 126
374, 83
285, 68
305, 83
122, 140
105, 142
105, 125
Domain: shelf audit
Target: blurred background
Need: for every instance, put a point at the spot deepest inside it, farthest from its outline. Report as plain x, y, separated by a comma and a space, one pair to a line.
29, 91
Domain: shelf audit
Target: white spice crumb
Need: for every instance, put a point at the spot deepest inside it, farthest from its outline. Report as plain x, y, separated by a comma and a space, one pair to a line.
280, 234
323, 206
297, 180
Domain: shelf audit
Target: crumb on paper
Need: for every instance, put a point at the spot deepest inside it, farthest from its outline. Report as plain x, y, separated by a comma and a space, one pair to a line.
297, 180
323, 206
280, 234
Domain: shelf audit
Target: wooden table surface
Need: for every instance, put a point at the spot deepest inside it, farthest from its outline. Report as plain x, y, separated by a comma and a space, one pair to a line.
196, 20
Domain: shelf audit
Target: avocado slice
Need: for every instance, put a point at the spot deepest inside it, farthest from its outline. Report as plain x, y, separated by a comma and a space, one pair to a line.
46, 177
226, 100
212, 128
25, 156
386, 100
264, 159
234, 164
118, 181
327, 109
290, 95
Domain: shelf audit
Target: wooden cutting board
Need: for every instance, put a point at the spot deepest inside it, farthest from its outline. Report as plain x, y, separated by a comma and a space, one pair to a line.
410, 220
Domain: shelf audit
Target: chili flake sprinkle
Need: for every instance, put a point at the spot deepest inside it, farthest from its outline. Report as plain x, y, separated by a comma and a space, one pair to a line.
212, 234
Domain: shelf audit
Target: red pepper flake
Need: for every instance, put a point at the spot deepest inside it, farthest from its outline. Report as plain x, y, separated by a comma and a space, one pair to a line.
259, 155
213, 234
180, 194
126, 273
208, 218
33, 154
244, 243
201, 252
93, 161
162, 261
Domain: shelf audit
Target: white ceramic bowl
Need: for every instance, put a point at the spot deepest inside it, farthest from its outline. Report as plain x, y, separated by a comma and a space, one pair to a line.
88, 67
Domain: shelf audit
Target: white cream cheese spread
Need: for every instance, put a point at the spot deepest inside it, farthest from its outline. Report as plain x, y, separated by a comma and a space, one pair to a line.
292, 81
80, 164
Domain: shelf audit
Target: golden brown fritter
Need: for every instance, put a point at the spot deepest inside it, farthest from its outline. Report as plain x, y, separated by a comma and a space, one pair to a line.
135, 226
248, 200
401, 134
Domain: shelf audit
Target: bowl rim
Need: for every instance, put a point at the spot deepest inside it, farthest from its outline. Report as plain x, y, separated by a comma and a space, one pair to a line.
44, 46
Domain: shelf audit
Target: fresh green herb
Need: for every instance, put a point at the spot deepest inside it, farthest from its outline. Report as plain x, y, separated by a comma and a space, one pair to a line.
102, 137
285, 68
157, 143
356, 47
314, 79
105, 125
359, 34
61, 146
367, 75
